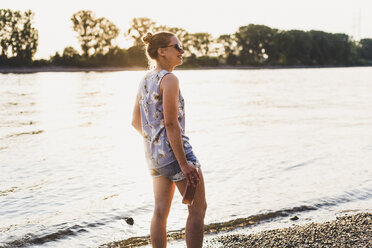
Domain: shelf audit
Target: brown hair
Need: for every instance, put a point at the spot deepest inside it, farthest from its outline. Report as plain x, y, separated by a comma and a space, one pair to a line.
155, 41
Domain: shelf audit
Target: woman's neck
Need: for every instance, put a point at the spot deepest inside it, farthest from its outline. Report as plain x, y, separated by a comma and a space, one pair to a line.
163, 66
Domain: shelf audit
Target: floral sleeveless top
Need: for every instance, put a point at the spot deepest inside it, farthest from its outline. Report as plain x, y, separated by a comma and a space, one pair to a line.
157, 147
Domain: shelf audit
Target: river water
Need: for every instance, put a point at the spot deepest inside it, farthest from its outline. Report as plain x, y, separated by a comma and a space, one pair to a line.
271, 143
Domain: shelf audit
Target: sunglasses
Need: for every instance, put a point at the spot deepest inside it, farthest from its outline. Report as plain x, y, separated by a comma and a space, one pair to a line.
177, 46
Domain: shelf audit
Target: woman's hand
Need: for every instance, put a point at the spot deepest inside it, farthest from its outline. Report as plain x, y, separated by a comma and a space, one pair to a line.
191, 174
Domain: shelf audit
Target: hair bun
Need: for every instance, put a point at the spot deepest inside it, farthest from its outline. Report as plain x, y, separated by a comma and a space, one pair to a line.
147, 38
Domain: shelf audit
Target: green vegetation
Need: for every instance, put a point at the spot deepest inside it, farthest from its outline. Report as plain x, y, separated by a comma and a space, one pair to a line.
18, 39
251, 45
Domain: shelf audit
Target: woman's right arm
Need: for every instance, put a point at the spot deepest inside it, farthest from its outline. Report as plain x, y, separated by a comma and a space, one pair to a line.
169, 88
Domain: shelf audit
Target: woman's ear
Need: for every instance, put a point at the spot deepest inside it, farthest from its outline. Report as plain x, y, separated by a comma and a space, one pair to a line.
161, 51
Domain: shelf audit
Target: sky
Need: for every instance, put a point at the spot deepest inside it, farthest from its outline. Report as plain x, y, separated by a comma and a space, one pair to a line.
52, 18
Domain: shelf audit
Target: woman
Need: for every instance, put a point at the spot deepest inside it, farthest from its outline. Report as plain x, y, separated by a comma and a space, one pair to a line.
159, 117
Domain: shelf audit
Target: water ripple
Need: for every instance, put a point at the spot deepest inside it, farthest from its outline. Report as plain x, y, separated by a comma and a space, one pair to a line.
25, 133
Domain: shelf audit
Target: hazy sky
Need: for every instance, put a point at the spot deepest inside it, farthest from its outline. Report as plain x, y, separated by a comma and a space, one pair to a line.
52, 18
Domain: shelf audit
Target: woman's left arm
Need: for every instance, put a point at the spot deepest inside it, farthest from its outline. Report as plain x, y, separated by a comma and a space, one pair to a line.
136, 117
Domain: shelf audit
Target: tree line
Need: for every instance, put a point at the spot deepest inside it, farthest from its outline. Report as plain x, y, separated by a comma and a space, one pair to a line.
251, 45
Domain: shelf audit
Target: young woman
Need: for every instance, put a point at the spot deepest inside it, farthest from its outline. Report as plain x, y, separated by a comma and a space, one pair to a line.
159, 117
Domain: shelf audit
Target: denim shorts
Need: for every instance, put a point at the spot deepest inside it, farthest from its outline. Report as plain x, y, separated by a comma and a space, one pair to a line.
173, 171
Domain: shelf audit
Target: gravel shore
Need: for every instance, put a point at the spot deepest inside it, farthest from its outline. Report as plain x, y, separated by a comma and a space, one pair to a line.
345, 231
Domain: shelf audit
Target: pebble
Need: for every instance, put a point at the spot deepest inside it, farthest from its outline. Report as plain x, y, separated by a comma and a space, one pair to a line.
294, 217
129, 220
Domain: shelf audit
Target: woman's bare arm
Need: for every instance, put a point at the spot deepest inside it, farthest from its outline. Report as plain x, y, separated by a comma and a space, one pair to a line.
169, 88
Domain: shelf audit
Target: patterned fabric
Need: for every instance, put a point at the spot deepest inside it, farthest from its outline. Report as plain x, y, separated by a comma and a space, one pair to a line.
173, 170
157, 147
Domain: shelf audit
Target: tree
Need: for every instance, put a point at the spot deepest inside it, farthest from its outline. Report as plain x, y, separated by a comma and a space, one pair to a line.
293, 47
107, 32
256, 43
320, 48
199, 43
229, 45
6, 16
137, 56
25, 41
341, 49
84, 23
117, 57
70, 53
95, 35
138, 28
19, 39
366, 49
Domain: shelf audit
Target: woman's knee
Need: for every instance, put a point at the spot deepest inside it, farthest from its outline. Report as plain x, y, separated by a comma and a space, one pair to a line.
161, 212
198, 210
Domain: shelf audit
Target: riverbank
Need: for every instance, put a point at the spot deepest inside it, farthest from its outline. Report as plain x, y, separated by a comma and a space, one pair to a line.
345, 231
352, 230
110, 69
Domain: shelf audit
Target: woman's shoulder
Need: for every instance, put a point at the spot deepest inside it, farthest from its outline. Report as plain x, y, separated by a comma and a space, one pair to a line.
153, 74
161, 77
164, 75
170, 77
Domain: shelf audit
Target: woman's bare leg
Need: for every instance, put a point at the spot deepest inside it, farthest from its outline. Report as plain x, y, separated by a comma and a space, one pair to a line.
163, 193
195, 220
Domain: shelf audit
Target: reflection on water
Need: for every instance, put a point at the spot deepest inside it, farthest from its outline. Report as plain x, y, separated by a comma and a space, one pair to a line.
270, 141
23, 133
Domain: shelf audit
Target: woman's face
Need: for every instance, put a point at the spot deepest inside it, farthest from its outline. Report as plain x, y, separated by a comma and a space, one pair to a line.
174, 52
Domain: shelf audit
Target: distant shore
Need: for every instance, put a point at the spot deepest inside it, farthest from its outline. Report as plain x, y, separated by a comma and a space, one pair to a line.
110, 69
